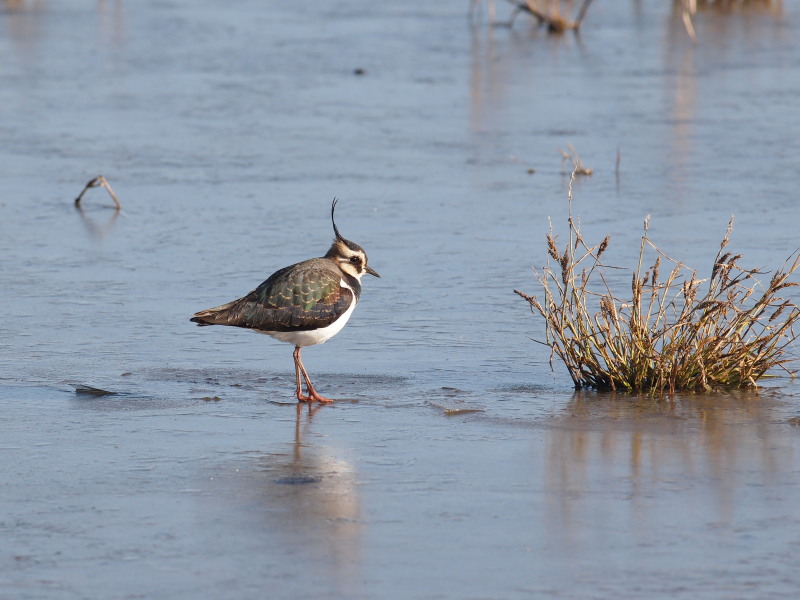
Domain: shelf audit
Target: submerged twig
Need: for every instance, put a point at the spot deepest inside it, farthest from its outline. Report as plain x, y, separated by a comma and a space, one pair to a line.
88, 390
554, 22
98, 181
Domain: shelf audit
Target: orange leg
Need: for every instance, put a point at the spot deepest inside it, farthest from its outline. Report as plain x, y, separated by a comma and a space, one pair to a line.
313, 395
298, 390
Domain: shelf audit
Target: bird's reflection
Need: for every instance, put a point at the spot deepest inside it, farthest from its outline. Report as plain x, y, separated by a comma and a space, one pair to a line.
307, 497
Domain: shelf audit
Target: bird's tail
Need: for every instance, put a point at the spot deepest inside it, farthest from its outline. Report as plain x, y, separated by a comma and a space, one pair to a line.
219, 315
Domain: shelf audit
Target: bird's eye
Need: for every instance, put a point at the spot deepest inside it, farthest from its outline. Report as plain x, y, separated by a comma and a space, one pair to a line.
355, 260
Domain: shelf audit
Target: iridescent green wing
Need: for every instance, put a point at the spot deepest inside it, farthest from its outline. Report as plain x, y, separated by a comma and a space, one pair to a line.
300, 297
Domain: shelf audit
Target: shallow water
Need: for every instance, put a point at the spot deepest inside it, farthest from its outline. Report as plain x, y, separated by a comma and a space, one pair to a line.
455, 463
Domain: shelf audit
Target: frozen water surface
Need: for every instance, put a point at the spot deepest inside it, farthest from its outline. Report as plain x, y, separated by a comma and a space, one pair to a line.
455, 463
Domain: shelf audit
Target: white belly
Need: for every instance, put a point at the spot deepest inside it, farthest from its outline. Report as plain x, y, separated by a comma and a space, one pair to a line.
317, 336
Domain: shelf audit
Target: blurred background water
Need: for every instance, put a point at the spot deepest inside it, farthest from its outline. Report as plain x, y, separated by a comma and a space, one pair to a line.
457, 464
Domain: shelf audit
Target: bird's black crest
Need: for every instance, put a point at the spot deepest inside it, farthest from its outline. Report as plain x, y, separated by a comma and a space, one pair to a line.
335, 229
339, 236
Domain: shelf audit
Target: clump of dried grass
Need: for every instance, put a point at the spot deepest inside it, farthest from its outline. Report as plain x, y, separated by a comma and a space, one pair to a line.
676, 332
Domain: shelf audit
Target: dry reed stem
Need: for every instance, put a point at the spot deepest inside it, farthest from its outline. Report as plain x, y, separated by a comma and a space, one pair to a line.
680, 333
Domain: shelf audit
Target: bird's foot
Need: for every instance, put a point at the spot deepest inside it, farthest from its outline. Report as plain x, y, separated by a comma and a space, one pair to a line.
313, 396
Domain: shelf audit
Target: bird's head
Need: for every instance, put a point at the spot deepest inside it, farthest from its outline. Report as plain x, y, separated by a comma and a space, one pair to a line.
350, 257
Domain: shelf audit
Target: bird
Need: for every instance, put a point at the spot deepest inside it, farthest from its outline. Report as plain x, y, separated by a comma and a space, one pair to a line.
304, 304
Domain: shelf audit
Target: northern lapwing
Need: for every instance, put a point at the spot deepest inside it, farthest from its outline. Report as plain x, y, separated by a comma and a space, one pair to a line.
304, 304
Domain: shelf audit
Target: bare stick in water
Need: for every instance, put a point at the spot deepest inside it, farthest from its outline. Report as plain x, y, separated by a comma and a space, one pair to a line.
98, 181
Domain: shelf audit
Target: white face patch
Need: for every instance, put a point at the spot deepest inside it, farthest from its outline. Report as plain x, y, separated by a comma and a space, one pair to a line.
353, 268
